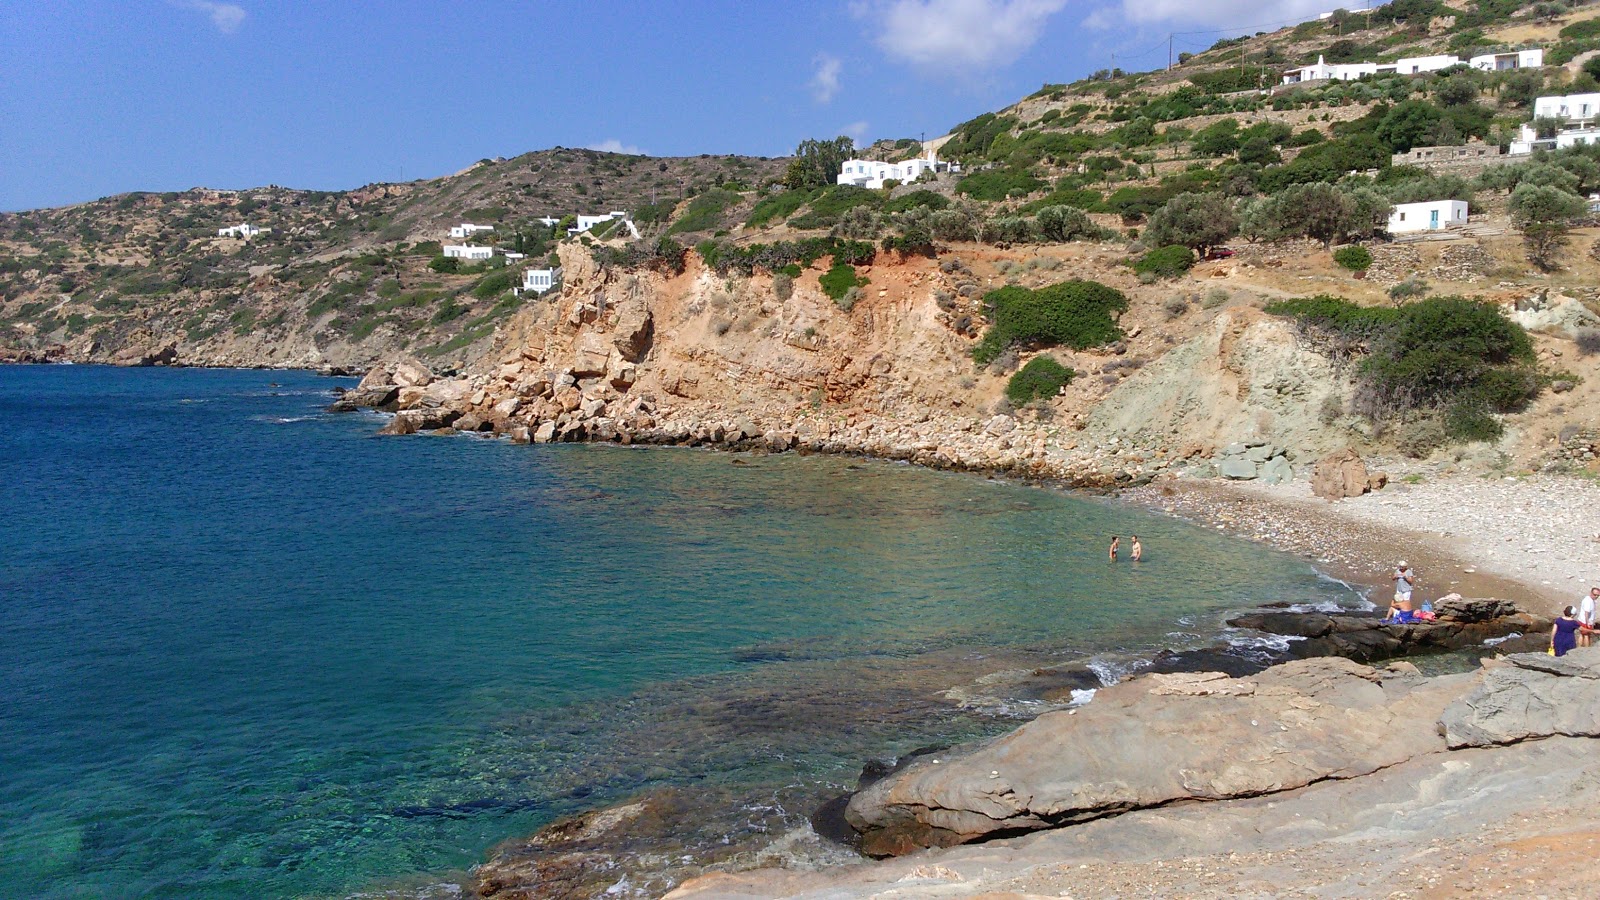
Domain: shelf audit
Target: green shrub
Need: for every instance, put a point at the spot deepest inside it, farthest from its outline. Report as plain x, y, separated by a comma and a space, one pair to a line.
778, 207
444, 264
1076, 314
1165, 262
837, 281
1354, 257
704, 213
917, 200
1041, 377
999, 184
1457, 356
492, 285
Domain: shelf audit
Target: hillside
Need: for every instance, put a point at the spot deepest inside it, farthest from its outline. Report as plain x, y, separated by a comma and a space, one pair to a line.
342, 278
881, 306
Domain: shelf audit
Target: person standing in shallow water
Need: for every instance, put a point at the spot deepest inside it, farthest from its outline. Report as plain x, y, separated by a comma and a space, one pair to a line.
1138, 550
1113, 551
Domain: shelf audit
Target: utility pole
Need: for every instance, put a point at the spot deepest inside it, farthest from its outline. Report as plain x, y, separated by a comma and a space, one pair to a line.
1169, 51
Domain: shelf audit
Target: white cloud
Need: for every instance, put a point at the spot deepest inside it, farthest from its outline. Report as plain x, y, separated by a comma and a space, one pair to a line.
856, 130
1242, 15
226, 16
958, 34
824, 82
612, 145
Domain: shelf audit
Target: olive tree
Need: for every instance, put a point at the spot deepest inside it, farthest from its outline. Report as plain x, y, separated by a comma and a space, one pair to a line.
1544, 214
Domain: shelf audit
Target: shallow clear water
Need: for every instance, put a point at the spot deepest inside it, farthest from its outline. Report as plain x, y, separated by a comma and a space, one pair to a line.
247, 649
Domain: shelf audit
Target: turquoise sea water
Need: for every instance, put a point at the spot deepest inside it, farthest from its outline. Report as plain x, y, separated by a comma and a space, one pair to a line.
248, 649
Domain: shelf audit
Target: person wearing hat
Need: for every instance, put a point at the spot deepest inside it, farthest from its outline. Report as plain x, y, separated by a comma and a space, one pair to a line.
1404, 580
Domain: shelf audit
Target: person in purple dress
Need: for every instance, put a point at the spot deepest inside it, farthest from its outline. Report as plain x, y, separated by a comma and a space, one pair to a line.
1564, 636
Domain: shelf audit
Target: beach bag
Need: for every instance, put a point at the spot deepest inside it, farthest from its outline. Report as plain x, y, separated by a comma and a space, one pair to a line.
1552, 650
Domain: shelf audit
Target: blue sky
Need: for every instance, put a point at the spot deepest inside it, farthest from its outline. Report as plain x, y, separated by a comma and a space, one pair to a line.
97, 98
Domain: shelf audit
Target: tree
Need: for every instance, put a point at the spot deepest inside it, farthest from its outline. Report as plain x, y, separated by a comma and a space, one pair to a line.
1258, 151
1196, 221
1457, 90
1059, 224
1217, 139
817, 163
1544, 214
1592, 66
1520, 87
1409, 124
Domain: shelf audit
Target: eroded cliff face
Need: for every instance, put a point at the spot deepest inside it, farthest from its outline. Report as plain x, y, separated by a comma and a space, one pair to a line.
698, 357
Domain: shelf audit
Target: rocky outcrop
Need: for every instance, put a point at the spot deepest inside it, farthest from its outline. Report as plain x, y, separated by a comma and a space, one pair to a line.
1157, 739
1527, 696
1367, 638
1245, 461
1343, 474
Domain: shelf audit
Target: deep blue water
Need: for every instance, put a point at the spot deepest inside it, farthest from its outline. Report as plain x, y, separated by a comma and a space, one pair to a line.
248, 649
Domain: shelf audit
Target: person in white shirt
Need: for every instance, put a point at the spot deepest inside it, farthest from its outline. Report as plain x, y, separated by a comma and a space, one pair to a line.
1586, 611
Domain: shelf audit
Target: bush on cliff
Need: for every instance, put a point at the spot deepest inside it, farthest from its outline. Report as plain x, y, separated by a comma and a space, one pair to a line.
492, 285
1076, 314
837, 281
1041, 377
1450, 356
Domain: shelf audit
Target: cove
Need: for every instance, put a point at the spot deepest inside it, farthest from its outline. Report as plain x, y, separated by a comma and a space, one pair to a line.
248, 649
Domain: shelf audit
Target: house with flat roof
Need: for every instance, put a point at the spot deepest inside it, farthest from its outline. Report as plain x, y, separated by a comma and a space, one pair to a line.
1431, 215
538, 281
1413, 65
467, 229
872, 174
468, 251
1576, 119
243, 232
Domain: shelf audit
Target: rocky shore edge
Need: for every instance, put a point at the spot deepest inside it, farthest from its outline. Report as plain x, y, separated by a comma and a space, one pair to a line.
579, 856
1308, 774
591, 404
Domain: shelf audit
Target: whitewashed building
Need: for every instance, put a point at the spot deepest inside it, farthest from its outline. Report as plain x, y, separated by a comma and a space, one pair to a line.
1578, 118
467, 229
468, 251
1511, 59
548, 221
243, 232
867, 173
1432, 215
537, 281
587, 222
1413, 65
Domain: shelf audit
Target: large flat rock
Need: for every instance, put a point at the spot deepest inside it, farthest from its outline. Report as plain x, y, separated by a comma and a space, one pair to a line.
1158, 739
1529, 695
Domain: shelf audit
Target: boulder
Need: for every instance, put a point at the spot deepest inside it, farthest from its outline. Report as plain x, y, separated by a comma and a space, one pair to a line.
410, 373
591, 407
634, 331
507, 407
1340, 475
1158, 739
1276, 471
449, 390
545, 433
402, 423
1237, 468
591, 356
1533, 696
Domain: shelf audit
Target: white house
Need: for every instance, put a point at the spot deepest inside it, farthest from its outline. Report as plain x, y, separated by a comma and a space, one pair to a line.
467, 229
1511, 59
1413, 65
868, 173
1432, 215
548, 221
468, 251
244, 232
540, 280
1578, 116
